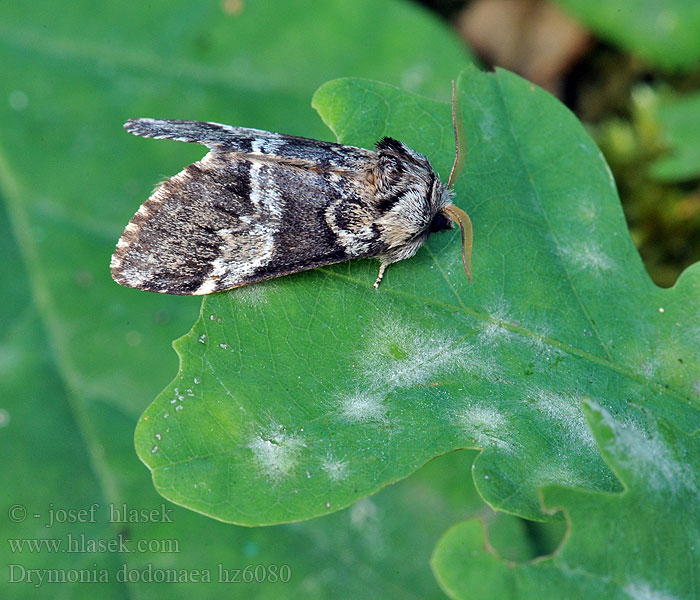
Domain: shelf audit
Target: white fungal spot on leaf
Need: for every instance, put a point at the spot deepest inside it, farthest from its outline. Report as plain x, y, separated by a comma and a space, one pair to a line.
277, 454
254, 295
649, 458
493, 330
545, 351
589, 256
649, 368
486, 426
400, 354
642, 590
559, 473
335, 469
587, 211
567, 412
363, 407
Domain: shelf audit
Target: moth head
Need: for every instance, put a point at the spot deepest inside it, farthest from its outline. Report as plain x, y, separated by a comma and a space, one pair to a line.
408, 196
412, 200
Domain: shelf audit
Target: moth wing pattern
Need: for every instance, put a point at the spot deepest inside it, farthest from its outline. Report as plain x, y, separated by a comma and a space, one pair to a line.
259, 205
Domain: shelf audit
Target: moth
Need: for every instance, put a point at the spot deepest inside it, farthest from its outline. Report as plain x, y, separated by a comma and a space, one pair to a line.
260, 205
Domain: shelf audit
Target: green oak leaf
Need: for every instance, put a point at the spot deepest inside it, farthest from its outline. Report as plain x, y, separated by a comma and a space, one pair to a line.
643, 542
301, 395
663, 33
679, 124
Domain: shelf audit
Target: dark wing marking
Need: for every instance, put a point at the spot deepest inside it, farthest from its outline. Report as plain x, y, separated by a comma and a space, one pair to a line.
232, 219
255, 143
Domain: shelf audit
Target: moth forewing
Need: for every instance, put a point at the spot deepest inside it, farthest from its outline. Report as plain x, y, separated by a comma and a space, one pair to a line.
260, 205
233, 219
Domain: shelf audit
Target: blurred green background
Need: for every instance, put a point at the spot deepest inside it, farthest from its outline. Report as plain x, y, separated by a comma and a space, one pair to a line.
81, 358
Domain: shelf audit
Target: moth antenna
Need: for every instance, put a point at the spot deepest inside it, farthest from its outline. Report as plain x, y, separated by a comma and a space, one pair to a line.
465, 225
458, 126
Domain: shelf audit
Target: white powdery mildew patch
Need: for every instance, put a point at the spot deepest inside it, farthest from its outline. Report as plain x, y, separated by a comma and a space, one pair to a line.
542, 331
586, 211
640, 354
696, 388
494, 331
488, 123
567, 411
254, 295
400, 354
649, 458
539, 344
277, 454
589, 256
559, 473
335, 469
363, 407
642, 590
649, 368
486, 426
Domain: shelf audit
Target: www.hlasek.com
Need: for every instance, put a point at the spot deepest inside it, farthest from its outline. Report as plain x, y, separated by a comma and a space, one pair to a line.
82, 544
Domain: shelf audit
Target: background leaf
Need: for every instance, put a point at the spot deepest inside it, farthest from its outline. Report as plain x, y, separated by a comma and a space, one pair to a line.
680, 133
38, 431
663, 33
299, 396
80, 357
642, 542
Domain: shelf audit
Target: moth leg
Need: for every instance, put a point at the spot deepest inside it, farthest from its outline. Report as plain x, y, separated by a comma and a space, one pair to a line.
382, 268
